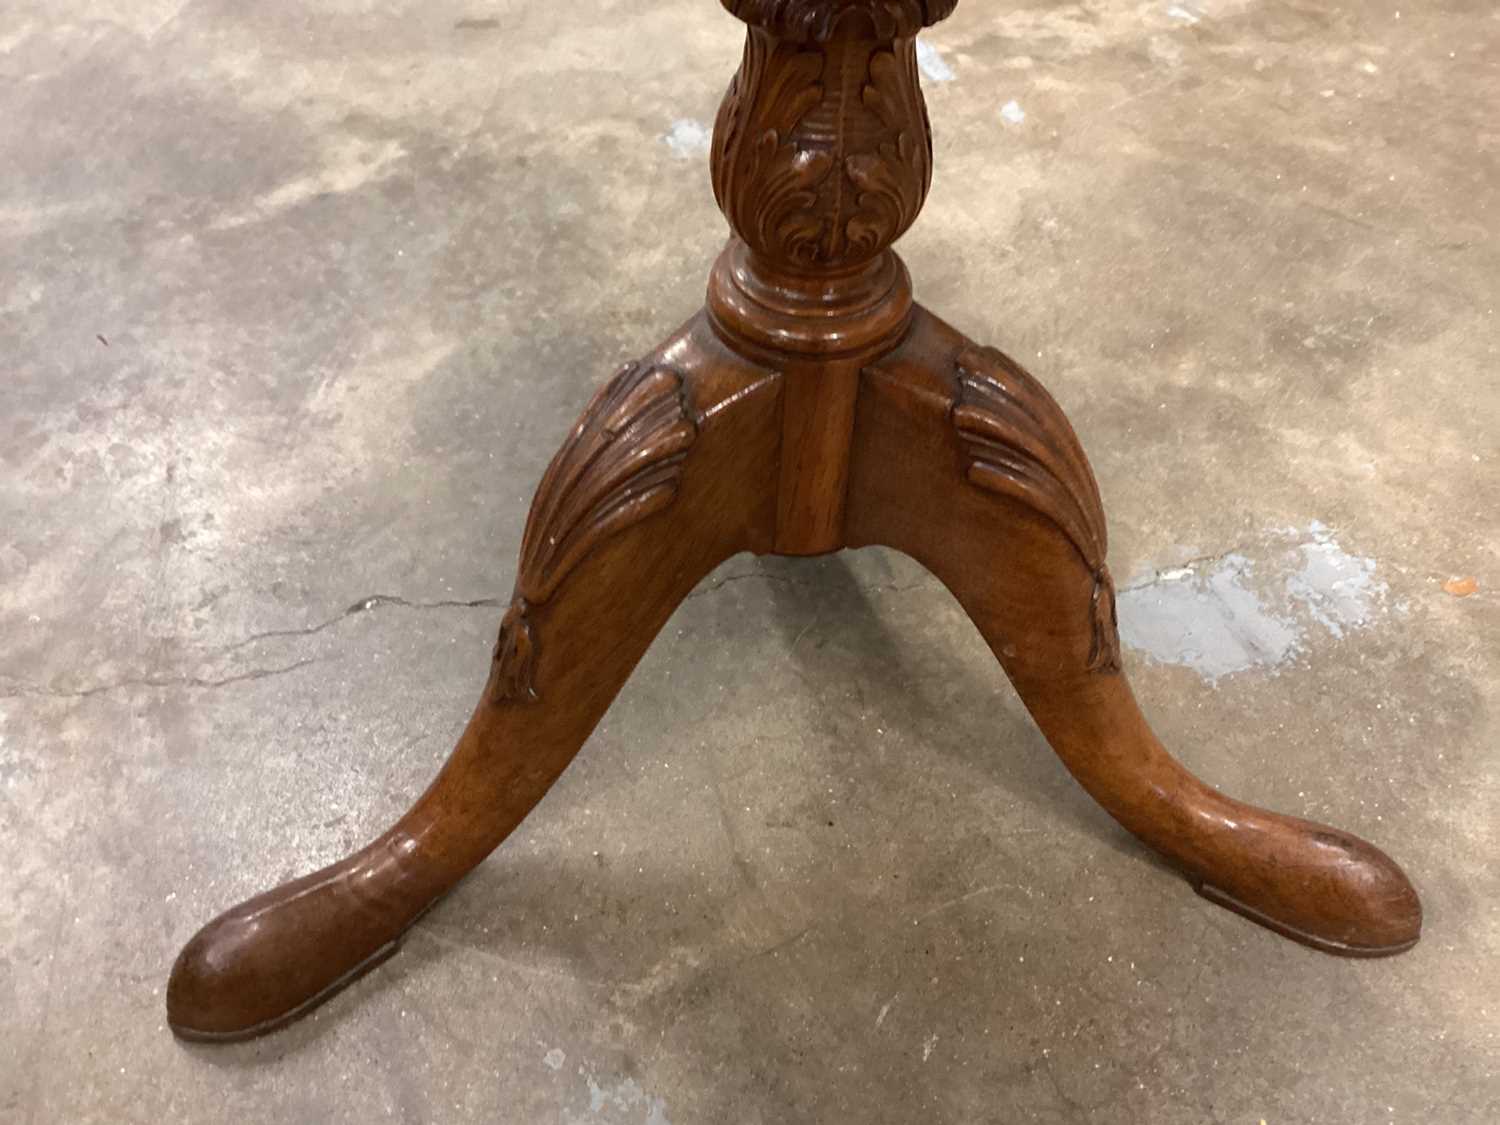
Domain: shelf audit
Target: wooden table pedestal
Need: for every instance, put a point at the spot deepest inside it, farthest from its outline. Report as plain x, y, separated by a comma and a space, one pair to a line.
809, 407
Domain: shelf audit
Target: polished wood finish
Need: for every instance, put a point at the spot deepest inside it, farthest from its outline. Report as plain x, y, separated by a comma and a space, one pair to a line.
811, 406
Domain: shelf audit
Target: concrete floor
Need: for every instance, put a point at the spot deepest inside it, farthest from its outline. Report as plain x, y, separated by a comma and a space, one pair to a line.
296, 303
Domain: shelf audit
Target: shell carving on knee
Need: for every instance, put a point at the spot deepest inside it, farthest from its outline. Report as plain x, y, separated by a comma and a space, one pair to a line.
620, 465
1017, 443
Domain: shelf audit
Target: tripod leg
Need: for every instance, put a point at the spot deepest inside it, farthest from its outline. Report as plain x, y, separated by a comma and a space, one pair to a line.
964, 462
670, 471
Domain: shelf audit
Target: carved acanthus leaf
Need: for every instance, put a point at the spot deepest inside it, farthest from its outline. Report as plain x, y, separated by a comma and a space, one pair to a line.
765, 181
894, 178
1016, 442
620, 465
822, 153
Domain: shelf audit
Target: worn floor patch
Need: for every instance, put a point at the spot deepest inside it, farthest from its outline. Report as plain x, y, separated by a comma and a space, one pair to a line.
1252, 609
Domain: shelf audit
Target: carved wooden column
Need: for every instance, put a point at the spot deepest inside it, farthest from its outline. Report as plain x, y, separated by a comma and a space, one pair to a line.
811, 405
822, 158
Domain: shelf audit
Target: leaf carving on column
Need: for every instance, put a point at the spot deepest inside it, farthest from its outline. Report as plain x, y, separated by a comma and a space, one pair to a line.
620, 465
767, 182
1017, 443
785, 210
822, 152
730, 122
893, 180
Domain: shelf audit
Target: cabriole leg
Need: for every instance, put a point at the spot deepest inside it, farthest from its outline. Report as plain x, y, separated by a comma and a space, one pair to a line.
670, 471
963, 461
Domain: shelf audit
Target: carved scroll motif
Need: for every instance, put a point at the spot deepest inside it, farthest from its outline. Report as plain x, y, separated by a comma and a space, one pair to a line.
620, 465
822, 151
1018, 444
816, 20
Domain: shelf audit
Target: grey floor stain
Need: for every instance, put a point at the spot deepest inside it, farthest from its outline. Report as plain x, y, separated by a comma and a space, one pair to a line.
1233, 613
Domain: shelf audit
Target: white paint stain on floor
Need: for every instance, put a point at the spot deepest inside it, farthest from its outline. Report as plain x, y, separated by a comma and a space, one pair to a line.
1012, 112
1338, 589
1231, 614
1213, 622
688, 139
617, 1103
934, 67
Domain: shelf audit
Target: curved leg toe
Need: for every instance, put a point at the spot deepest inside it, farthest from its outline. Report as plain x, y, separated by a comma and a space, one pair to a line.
1318, 885
267, 961
1341, 894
